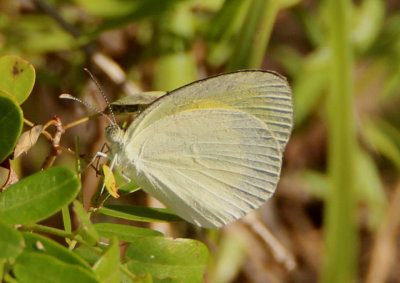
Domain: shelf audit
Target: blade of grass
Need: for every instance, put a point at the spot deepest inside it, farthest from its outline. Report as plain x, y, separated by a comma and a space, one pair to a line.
66, 216
78, 167
254, 35
340, 221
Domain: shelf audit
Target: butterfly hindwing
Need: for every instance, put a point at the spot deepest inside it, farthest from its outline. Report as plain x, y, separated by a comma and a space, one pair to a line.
210, 166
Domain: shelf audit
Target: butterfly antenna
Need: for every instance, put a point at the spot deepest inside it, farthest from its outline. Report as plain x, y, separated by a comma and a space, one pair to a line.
70, 97
103, 94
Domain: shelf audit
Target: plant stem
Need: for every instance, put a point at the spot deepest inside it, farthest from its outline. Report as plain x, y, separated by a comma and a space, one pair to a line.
46, 229
340, 215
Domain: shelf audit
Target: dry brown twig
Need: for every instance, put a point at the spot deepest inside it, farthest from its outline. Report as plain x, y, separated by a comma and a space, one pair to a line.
280, 253
384, 247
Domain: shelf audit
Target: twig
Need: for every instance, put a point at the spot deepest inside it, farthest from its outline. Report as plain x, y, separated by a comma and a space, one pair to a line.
279, 252
44, 132
105, 63
59, 233
56, 16
56, 148
384, 248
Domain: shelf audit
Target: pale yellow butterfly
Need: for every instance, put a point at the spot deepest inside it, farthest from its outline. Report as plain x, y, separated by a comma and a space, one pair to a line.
211, 151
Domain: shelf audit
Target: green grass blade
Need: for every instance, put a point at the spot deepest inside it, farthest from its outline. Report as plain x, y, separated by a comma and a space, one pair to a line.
340, 221
254, 35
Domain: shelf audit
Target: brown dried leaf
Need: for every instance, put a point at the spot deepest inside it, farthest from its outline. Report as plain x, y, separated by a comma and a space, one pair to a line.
27, 140
12, 176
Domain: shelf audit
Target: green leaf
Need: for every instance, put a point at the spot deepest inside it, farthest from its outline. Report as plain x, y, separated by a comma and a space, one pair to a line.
40, 35
35, 267
369, 18
175, 260
117, 9
124, 232
316, 183
370, 189
2, 265
17, 77
310, 84
38, 196
107, 267
167, 74
86, 229
139, 213
228, 261
44, 245
222, 30
11, 242
87, 253
11, 122
385, 138
253, 38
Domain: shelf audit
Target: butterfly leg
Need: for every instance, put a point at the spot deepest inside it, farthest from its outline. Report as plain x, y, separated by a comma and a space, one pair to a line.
97, 156
126, 178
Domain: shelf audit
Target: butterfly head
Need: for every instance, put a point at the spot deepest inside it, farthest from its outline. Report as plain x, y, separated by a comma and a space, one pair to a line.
114, 133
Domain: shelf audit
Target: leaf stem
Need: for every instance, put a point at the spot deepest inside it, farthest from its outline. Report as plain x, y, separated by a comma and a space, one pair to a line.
47, 229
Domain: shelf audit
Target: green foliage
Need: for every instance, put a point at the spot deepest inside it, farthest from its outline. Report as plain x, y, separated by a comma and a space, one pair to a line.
36, 267
175, 260
139, 213
18, 77
35, 243
30, 257
11, 121
11, 242
107, 266
38, 196
123, 232
86, 228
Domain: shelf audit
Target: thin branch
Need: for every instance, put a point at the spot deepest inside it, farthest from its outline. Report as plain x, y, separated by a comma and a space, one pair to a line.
52, 12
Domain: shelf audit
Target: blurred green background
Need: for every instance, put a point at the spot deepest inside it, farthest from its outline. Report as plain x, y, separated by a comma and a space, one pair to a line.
337, 208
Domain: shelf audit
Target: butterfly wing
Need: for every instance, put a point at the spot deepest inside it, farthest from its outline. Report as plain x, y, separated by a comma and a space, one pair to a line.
264, 94
210, 166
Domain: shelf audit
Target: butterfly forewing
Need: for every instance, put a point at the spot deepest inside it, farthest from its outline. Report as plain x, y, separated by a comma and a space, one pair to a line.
264, 94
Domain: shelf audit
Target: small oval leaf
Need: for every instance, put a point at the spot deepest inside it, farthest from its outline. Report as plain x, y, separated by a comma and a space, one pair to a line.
11, 122
35, 267
107, 267
52, 248
86, 228
17, 76
88, 253
175, 260
11, 242
139, 213
124, 232
38, 196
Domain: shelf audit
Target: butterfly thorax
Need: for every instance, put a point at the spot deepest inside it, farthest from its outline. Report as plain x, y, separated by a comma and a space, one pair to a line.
124, 159
115, 135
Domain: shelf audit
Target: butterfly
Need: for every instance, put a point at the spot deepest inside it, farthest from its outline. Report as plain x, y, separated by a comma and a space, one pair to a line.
211, 151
